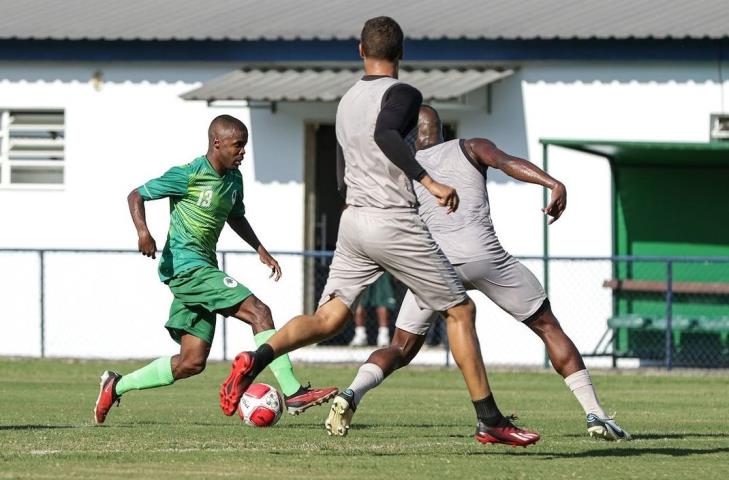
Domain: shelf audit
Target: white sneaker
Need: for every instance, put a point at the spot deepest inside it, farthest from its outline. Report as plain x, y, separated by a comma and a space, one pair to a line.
340, 415
358, 341
605, 428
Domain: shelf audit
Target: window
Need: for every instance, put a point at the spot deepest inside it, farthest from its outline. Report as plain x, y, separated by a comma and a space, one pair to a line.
31, 147
719, 127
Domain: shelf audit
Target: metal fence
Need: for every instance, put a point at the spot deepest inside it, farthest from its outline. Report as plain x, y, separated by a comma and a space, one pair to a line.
656, 311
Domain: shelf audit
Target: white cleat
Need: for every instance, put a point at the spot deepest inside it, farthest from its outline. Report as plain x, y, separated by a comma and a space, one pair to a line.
606, 428
340, 415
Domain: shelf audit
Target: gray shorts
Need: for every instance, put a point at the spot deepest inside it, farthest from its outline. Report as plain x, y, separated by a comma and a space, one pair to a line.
372, 240
502, 278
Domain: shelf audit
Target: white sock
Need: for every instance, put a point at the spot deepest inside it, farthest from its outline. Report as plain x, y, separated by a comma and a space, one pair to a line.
360, 332
581, 385
368, 377
383, 331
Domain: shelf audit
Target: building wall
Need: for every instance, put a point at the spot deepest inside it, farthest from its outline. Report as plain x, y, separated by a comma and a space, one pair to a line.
136, 126
611, 101
131, 129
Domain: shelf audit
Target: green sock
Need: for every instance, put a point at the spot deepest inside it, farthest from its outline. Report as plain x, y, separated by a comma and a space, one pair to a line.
156, 374
281, 367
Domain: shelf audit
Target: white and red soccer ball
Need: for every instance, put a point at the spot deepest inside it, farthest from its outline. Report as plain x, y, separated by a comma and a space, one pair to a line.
261, 405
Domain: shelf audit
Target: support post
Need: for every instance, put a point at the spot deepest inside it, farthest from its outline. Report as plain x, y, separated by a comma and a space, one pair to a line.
225, 324
545, 237
669, 314
42, 303
446, 345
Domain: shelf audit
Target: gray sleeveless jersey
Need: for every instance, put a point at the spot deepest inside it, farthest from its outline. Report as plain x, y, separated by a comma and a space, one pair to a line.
466, 235
372, 179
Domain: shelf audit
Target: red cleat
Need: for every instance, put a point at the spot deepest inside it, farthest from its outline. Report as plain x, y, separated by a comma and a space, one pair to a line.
505, 432
107, 396
296, 404
237, 383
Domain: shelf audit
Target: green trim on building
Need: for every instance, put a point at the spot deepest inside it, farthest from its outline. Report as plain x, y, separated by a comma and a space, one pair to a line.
668, 199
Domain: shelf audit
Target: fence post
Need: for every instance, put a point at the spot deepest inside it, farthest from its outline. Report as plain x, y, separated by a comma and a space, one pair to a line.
42, 303
669, 314
545, 237
446, 346
225, 324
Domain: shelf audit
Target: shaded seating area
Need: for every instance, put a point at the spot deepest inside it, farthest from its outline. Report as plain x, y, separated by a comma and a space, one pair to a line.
670, 228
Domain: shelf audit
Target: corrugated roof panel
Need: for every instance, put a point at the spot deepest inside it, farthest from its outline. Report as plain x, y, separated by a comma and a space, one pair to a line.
330, 84
343, 19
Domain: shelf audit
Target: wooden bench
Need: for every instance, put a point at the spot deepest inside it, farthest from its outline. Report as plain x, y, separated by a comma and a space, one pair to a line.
650, 286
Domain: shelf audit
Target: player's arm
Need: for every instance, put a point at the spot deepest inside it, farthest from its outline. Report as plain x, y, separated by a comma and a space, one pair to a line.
242, 227
172, 183
146, 243
398, 115
486, 153
341, 186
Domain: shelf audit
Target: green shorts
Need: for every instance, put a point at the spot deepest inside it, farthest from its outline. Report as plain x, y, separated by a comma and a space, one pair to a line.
380, 294
200, 293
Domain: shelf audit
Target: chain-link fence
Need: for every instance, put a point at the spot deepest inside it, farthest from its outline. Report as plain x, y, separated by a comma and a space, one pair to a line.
672, 312
667, 311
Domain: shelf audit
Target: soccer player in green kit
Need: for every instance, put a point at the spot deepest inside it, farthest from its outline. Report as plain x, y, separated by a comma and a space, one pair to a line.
204, 195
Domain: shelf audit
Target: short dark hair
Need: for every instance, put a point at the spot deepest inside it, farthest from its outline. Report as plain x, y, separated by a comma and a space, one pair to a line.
224, 123
382, 38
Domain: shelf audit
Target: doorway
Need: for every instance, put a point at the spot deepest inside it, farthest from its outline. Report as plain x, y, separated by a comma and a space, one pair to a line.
323, 209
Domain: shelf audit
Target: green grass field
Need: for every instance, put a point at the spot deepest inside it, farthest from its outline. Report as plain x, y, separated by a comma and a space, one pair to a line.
419, 424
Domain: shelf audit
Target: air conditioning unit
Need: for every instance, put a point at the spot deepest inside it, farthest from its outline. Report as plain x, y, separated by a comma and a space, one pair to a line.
719, 127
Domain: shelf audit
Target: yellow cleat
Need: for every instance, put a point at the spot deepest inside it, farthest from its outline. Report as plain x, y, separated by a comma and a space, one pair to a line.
340, 415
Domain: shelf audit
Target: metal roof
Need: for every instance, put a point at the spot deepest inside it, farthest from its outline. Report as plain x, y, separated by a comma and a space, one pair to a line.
711, 154
343, 19
326, 85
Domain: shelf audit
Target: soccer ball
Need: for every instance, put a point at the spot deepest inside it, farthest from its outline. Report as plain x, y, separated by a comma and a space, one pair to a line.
261, 405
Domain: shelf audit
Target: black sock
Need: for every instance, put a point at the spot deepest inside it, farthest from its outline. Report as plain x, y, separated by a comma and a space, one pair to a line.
487, 411
262, 358
302, 389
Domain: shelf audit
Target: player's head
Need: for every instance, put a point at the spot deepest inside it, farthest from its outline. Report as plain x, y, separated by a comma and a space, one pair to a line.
227, 139
430, 128
381, 39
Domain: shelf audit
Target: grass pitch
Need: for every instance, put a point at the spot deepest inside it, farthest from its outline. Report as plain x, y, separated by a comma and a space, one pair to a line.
418, 424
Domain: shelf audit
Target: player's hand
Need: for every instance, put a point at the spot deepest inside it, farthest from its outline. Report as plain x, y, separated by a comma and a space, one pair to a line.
447, 196
557, 204
147, 245
271, 262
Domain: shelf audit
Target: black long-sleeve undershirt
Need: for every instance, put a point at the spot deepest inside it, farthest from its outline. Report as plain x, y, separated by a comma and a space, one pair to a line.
398, 116
341, 186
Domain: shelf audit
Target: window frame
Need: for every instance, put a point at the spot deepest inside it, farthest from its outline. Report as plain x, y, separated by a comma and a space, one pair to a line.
7, 162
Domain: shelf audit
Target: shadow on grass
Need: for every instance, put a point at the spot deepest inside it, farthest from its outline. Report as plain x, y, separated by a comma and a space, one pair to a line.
38, 427
668, 435
610, 452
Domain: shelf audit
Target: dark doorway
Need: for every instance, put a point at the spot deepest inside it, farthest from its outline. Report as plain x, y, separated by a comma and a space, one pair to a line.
323, 210
329, 203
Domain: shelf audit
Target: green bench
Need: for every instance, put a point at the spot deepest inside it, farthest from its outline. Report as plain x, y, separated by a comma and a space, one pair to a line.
696, 341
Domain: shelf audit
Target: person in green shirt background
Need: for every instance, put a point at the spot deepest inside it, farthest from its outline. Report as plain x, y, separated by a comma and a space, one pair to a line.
204, 195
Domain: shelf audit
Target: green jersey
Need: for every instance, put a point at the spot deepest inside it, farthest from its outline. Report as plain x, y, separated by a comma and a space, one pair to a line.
200, 203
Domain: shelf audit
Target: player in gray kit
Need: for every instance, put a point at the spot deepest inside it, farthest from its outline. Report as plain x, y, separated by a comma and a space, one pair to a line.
468, 239
380, 230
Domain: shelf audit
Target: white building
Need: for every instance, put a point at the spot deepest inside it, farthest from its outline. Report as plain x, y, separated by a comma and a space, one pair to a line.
96, 100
